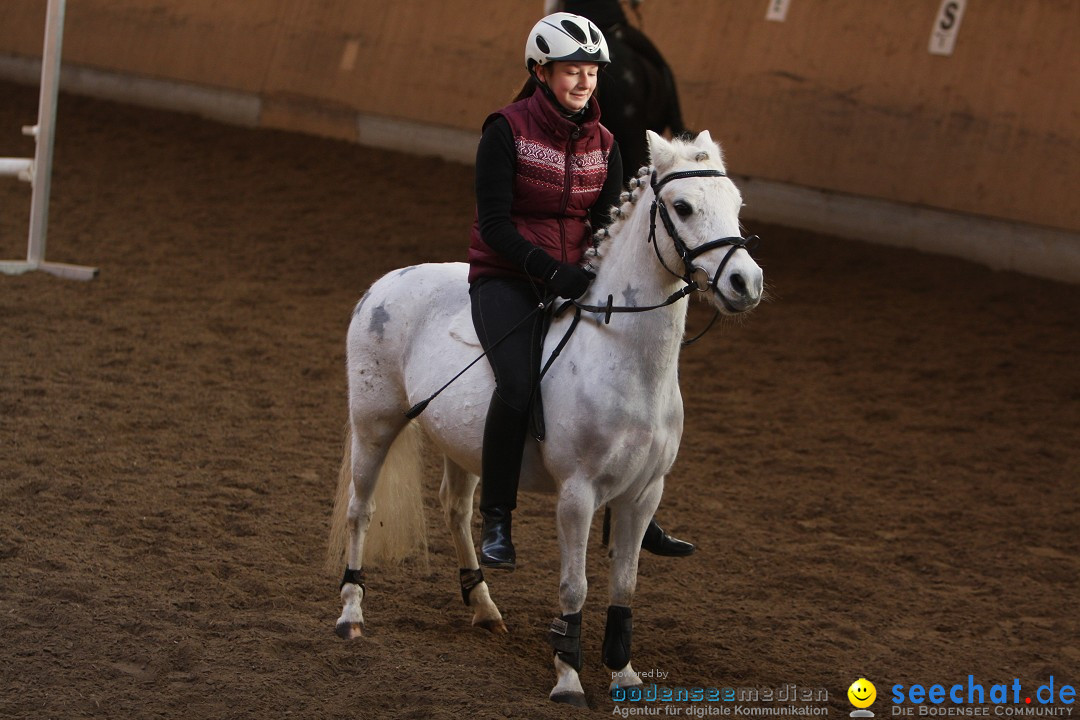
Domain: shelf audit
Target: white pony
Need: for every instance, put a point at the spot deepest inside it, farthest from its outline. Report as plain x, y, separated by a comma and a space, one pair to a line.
612, 402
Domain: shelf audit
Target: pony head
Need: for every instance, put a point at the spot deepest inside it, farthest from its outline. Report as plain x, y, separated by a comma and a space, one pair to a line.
697, 231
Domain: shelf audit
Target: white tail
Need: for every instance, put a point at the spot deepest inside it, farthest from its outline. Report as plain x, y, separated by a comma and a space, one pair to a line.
398, 527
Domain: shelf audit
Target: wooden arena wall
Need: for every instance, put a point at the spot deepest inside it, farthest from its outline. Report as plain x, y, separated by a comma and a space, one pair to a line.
842, 96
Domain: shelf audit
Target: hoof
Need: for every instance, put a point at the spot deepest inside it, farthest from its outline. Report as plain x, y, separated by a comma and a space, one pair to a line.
349, 631
495, 627
575, 699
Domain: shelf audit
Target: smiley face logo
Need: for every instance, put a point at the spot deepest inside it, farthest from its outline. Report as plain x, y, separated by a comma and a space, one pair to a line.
862, 693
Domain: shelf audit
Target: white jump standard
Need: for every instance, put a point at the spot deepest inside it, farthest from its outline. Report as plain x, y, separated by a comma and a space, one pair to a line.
38, 170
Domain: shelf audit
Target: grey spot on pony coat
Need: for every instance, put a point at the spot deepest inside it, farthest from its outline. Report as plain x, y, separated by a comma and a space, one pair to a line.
405, 270
379, 318
360, 305
630, 296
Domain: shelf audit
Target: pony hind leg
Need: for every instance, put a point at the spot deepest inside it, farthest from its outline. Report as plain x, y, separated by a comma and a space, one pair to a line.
456, 496
361, 465
629, 522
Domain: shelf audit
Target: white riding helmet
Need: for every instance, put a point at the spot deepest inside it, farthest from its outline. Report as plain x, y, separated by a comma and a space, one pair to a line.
565, 36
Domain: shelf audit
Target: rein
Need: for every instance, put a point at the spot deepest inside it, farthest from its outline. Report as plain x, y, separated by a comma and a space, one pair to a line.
696, 278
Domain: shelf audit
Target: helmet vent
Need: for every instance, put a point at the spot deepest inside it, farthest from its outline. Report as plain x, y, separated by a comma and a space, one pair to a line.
595, 34
574, 31
542, 44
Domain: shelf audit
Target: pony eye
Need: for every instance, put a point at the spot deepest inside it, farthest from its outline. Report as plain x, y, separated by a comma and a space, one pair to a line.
683, 208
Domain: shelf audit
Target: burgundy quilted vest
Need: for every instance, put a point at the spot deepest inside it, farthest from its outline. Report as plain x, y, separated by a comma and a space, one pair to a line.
561, 168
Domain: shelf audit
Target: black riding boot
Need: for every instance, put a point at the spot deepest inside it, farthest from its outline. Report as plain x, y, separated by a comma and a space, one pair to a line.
504, 443
496, 546
659, 542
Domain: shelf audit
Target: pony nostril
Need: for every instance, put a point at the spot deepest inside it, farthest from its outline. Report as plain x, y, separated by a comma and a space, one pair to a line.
738, 283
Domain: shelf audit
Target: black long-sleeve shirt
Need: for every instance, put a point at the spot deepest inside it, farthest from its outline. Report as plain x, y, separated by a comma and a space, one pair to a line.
496, 158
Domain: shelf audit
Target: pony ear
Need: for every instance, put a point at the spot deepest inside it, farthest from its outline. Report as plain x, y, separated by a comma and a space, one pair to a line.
661, 153
704, 140
708, 146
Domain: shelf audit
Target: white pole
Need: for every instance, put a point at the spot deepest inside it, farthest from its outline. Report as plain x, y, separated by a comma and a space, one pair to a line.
40, 172
46, 130
18, 167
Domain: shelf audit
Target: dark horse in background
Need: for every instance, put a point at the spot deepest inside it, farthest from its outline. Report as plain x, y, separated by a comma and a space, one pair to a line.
637, 90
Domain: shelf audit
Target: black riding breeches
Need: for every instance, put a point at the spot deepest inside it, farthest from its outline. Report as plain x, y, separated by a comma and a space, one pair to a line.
499, 307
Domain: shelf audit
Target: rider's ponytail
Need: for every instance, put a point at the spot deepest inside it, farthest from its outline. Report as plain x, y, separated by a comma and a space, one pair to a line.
527, 89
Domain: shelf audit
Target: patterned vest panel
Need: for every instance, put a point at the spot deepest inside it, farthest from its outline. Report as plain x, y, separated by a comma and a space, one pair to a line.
561, 168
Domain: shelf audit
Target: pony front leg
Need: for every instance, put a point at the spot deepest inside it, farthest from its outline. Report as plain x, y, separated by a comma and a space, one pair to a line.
576, 507
456, 496
629, 522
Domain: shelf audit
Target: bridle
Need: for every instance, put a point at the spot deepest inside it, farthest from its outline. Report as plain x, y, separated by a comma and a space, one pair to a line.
696, 278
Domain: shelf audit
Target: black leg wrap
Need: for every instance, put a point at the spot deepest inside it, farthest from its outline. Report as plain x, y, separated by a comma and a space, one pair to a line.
469, 579
617, 636
354, 576
565, 636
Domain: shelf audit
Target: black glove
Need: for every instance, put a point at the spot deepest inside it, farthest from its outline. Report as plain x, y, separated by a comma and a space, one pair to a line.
570, 281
